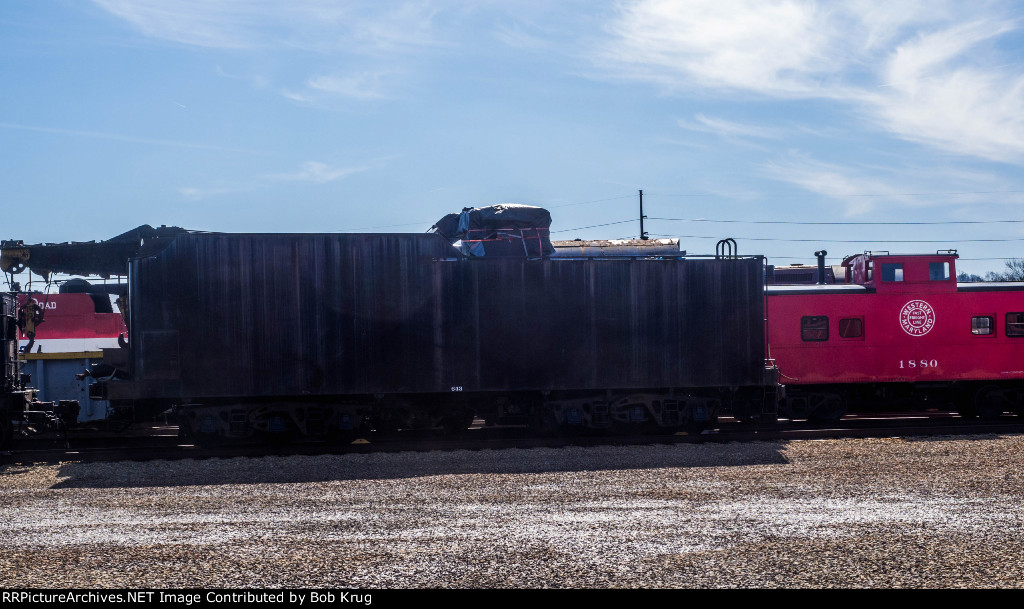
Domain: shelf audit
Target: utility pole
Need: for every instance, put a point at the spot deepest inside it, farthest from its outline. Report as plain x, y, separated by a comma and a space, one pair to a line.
643, 233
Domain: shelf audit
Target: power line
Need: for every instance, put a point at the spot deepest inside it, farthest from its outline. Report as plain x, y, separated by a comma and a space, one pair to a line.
779, 222
563, 230
594, 201
843, 257
349, 230
883, 194
827, 240
802, 223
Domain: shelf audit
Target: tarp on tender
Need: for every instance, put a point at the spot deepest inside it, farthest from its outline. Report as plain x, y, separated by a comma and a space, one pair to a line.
499, 230
447, 227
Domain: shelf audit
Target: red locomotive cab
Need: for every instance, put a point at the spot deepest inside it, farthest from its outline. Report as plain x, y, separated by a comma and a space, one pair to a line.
900, 329
70, 323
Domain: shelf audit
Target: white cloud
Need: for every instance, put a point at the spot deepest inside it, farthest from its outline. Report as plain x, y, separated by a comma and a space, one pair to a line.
833, 181
318, 25
524, 36
230, 24
320, 173
929, 72
785, 48
767, 46
329, 32
257, 81
119, 137
936, 96
311, 171
728, 129
196, 194
365, 85
860, 189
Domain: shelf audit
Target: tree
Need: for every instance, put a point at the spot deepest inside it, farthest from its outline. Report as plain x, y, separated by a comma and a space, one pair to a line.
1014, 272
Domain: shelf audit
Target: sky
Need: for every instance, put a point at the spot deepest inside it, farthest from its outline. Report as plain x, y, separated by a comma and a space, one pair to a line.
791, 126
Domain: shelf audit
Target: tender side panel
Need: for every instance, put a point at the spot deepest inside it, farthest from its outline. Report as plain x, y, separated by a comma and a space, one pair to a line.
585, 324
330, 315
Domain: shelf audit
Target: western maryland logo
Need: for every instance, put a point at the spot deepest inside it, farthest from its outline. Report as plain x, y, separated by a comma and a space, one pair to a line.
917, 318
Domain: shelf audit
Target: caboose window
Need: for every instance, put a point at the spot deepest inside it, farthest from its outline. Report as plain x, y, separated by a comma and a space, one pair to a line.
983, 325
1014, 324
814, 328
851, 327
892, 271
938, 271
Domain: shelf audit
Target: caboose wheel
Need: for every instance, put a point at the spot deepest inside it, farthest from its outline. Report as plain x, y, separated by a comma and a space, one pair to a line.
1015, 402
829, 409
966, 410
989, 402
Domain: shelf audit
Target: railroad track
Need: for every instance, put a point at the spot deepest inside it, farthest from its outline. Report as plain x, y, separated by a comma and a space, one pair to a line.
162, 442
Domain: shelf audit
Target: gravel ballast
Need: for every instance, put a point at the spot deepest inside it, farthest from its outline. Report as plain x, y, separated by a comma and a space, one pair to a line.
895, 512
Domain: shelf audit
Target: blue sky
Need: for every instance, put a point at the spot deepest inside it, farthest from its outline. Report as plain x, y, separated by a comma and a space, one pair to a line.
321, 115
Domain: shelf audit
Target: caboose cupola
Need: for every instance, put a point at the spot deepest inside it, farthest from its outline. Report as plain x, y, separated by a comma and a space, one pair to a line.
887, 272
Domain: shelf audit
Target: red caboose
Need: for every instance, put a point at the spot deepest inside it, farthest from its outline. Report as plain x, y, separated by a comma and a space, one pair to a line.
900, 328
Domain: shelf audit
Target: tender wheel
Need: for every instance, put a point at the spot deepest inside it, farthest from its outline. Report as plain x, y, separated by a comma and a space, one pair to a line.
5, 432
696, 428
544, 424
347, 436
457, 423
208, 440
200, 429
629, 429
381, 424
